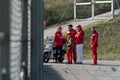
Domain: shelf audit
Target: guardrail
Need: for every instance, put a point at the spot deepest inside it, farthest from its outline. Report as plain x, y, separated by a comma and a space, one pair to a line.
92, 3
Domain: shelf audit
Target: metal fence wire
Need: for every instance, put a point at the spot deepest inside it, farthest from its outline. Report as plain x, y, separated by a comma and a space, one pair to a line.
15, 48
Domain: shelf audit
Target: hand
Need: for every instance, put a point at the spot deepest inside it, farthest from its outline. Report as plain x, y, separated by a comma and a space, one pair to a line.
91, 46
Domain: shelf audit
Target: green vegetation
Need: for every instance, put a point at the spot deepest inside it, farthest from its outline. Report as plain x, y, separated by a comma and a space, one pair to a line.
109, 40
109, 31
57, 11
54, 10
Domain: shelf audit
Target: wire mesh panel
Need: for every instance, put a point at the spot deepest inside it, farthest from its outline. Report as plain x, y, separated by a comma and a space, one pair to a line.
15, 38
19, 36
29, 37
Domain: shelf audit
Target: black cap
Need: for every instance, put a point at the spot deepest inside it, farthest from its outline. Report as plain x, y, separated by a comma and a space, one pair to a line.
70, 25
93, 27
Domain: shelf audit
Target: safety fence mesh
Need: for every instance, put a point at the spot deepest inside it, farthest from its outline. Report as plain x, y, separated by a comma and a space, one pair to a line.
15, 49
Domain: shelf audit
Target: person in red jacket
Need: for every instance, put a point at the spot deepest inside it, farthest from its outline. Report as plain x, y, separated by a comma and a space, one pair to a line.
79, 43
70, 46
71, 32
58, 39
94, 44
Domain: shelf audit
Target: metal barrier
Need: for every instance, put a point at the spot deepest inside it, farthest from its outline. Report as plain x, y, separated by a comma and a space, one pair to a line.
15, 23
92, 3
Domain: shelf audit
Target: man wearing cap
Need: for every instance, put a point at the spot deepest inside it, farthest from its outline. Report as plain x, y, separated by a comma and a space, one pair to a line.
58, 39
94, 44
79, 39
71, 32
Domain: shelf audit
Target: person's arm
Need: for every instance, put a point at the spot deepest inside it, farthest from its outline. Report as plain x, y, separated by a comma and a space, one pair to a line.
96, 40
80, 35
67, 36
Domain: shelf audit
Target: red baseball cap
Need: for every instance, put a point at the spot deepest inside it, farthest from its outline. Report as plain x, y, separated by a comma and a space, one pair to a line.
79, 26
59, 27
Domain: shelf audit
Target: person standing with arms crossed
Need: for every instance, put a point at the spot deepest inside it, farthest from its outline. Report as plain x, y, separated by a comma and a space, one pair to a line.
79, 39
58, 39
94, 45
71, 32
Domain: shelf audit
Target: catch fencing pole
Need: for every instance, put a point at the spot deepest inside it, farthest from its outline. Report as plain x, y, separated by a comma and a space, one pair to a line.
36, 39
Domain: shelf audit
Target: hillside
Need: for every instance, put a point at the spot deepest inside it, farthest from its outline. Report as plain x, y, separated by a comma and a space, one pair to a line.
109, 40
58, 11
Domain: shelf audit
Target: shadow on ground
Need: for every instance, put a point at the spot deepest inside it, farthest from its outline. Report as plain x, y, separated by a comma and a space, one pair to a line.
50, 74
101, 64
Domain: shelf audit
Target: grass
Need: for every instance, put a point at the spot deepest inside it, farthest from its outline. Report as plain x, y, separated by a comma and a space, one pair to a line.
58, 11
109, 40
54, 3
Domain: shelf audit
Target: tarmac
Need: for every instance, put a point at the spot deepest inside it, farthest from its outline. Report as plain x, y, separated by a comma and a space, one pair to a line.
104, 70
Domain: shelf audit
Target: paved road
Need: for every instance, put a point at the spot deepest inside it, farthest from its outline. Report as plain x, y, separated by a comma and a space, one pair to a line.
50, 31
105, 70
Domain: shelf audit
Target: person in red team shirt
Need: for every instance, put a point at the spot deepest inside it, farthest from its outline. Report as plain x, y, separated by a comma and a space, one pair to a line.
79, 43
94, 44
71, 32
69, 51
58, 39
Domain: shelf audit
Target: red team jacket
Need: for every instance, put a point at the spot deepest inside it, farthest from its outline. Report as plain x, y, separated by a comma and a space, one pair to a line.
71, 32
58, 38
79, 37
94, 39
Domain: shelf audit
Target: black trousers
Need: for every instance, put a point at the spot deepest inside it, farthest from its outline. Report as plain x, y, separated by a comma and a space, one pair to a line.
58, 55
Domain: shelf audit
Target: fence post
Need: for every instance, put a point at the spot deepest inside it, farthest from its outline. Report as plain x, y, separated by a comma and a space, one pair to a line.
93, 6
0, 63
4, 74
24, 54
112, 9
36, 39
2, 71
74, 10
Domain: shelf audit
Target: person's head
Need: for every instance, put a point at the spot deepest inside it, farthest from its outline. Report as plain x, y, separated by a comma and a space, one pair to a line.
59, 28
70, 26
93, 29
79, 27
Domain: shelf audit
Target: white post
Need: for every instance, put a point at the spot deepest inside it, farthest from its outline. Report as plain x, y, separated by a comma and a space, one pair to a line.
112, 9
93, 6
74, 10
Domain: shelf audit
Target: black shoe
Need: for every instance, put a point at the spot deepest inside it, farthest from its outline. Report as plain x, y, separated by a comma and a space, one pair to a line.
69, 63
94, 63
79, 63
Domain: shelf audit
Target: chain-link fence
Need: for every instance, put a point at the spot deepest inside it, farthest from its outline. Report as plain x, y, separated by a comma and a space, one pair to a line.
15, 48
